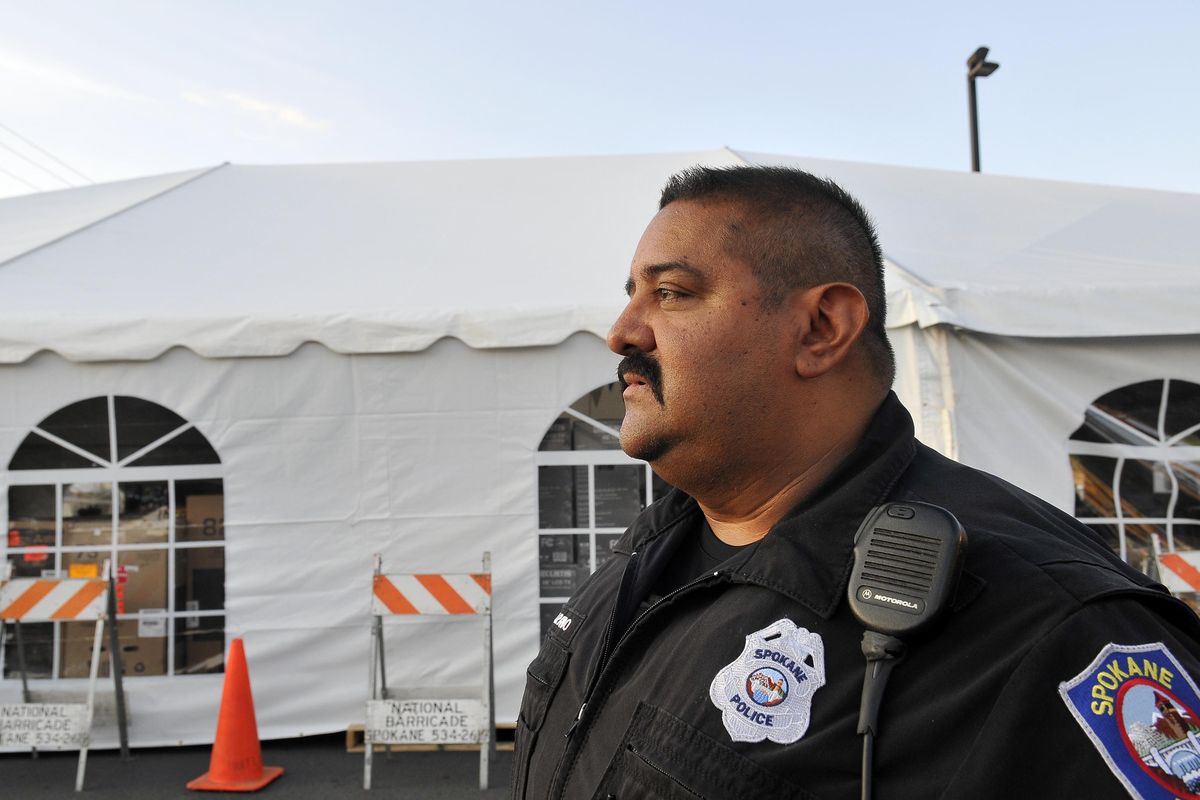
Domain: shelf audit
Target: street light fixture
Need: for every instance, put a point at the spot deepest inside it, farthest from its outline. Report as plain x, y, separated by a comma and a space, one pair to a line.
977, 67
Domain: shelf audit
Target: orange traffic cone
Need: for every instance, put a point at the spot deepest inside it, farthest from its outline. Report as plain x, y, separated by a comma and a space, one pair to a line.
236, 764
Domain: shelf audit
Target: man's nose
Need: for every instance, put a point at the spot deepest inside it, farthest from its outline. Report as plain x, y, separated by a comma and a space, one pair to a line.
630, 333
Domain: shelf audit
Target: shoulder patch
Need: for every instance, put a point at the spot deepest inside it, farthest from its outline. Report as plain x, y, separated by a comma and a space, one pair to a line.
1139, 707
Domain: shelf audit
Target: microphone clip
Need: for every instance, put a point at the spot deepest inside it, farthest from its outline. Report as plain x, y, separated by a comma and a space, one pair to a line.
883, 652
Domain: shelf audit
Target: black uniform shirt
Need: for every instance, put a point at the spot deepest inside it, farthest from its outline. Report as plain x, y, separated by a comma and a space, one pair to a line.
620, 705
696, 555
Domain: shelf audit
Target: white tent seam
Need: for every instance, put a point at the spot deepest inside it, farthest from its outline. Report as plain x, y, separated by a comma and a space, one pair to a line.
736, 155
112, 214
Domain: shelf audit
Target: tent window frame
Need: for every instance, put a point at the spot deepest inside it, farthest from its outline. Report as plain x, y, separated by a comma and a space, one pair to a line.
1162, 450
589, 459
117, 472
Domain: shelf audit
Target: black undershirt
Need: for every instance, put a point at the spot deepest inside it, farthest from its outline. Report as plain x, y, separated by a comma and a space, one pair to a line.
701, 552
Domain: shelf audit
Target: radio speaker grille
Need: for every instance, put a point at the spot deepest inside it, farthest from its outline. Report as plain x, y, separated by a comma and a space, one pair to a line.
901, 560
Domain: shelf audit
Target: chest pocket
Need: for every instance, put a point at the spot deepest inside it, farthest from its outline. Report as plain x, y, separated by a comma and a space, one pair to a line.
542, 679
664, 758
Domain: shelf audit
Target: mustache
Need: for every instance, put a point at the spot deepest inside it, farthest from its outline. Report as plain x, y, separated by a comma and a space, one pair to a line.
644, 367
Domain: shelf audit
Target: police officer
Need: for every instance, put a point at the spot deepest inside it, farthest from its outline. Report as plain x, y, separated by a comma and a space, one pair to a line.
714, 655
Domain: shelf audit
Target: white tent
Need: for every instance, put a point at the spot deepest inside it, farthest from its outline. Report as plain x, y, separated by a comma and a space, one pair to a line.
376, 351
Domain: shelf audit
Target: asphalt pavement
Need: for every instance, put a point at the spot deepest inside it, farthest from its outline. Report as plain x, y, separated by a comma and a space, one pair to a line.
315, 768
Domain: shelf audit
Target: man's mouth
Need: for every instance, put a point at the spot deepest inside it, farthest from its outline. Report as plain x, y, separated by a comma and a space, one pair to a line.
638, 370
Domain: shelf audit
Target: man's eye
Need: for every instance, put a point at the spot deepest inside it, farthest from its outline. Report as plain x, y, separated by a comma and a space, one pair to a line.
668, 294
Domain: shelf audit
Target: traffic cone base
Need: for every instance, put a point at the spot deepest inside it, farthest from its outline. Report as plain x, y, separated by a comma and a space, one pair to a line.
207, 784
236, 763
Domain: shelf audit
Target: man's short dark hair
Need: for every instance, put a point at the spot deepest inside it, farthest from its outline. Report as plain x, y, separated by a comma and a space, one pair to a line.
798, 231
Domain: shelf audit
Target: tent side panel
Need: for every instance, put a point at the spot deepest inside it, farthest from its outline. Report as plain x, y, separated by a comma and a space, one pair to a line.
1019, 400
427, 458
924, 384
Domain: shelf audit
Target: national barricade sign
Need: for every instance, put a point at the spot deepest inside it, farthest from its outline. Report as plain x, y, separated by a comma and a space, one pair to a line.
426, 721
1180, 572
421, 716
46, 726
464, 593
53, 726
52, 600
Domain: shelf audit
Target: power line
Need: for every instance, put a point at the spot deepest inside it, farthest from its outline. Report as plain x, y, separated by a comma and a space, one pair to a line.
20, 179
46, 153
46, 170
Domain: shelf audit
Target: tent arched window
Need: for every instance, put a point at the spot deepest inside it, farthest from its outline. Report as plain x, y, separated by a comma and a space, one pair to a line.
1136, 466
589, 491
125, 480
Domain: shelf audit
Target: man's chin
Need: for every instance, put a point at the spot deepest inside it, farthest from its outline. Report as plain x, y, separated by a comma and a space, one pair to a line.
647, 448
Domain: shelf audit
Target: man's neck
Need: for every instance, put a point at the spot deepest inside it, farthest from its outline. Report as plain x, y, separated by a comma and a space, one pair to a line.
748, 512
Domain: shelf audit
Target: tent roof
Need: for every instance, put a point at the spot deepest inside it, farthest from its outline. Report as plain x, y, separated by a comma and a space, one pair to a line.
256, 260
1023, 257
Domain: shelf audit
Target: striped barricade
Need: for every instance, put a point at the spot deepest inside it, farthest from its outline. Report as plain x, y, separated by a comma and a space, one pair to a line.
52, 600
53, 725
1180, 571
454, 593
427, 715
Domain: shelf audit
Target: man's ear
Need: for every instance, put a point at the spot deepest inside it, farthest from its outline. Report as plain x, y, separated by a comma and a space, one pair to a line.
831, 318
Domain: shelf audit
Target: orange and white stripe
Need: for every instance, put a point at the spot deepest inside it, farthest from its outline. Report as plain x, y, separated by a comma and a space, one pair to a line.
1180, 572
49, 599
461, 593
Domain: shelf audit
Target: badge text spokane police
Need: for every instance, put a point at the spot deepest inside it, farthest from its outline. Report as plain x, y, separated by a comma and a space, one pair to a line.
767, 691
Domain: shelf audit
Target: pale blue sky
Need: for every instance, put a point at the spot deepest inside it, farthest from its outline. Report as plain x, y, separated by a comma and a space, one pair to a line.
1101, 92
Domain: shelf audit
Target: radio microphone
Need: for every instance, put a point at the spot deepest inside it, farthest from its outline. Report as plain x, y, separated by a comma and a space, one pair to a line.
907, 557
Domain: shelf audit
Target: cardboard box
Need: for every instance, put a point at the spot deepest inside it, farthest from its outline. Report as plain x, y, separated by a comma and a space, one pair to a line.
87, 532
139, 656
75, 649
145, 580
203, 518
145, 583
150, 528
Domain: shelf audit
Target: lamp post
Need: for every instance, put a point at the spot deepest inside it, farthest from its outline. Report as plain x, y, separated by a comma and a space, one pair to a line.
977, 67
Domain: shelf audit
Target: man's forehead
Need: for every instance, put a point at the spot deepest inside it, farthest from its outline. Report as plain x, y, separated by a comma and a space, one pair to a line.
696, 218
679, 232
689, 236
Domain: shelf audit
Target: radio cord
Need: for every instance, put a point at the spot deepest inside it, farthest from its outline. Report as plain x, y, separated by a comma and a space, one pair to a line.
883, 653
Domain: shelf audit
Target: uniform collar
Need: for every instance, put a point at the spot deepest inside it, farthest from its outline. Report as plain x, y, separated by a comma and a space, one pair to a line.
808, 554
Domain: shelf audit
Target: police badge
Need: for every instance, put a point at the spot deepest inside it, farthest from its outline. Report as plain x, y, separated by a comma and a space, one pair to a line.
766, 692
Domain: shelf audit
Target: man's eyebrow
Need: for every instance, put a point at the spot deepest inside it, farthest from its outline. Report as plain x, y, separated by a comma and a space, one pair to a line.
652, 270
